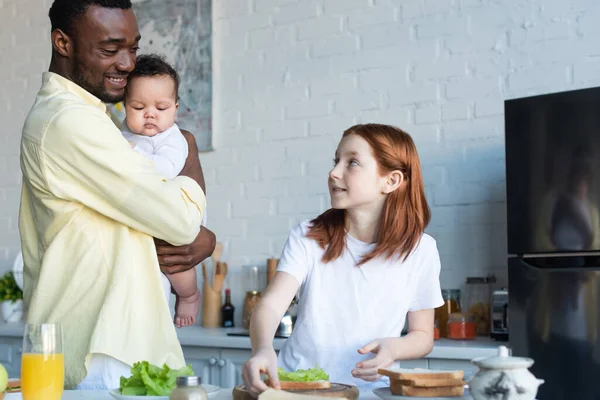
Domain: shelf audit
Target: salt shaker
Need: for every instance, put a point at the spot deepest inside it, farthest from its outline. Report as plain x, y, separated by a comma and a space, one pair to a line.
189, 388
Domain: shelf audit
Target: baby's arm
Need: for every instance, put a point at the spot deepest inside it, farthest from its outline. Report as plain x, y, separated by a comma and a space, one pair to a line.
169, 157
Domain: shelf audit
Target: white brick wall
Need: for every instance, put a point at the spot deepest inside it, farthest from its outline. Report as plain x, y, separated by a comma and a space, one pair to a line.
290, 75
24, 54
440, 69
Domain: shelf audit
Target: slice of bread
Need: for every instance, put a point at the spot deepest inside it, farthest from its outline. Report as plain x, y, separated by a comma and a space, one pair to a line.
431, 382
312, 385
420, 373
398, 389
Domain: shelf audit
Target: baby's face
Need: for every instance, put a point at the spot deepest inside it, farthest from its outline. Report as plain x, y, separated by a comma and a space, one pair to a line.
151, 104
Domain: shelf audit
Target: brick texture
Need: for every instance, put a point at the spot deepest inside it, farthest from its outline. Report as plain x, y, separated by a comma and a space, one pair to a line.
291, 75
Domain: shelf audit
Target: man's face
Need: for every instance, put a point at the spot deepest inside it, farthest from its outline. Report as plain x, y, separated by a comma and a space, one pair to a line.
105, 47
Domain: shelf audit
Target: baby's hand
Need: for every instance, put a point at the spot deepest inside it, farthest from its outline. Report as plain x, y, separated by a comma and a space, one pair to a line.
132, 145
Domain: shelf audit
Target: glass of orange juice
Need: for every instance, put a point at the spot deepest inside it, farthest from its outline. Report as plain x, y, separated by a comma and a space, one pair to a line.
42, 363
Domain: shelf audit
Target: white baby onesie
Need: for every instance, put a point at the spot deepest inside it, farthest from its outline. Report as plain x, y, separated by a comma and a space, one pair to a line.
168, 150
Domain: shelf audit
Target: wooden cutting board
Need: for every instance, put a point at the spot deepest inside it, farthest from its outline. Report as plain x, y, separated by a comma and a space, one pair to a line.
337, 390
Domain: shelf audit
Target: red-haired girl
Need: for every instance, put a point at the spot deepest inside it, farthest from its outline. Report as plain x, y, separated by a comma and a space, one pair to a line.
361, 267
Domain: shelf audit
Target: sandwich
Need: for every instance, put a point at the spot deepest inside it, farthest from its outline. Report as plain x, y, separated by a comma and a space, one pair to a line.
303, 379
425, 383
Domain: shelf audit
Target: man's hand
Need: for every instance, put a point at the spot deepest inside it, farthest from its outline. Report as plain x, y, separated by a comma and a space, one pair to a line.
173, 259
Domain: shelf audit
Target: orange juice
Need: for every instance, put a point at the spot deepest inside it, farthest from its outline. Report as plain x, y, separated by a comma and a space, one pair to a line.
42, 376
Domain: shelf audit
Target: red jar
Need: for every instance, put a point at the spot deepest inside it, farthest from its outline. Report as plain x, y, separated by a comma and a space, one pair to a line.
461, 326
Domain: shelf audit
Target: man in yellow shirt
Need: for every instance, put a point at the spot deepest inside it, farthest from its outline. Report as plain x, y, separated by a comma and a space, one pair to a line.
91, 206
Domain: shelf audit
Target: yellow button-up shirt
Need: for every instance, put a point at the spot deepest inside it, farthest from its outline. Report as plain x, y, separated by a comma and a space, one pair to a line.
90, 206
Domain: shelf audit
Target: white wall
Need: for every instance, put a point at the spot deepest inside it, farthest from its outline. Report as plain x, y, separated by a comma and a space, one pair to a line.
290, 75
24, 54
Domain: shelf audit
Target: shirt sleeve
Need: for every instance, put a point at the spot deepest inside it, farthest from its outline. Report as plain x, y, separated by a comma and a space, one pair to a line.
87, 160
428, 293
294, 258
169, 156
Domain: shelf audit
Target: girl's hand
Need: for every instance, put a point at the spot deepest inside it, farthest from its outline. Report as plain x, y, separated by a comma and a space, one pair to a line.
367, 370
264, 361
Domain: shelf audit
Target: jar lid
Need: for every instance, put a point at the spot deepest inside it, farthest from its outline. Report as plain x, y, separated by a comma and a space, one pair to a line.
461, 317
503, 361
188, 381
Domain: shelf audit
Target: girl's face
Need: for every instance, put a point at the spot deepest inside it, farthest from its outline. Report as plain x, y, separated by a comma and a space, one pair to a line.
354, 181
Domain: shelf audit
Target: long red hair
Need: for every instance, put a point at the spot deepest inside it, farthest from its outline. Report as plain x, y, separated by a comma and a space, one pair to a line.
405, 213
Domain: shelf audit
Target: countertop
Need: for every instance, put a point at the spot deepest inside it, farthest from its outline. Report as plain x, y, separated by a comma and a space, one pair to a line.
223, 394
203, 337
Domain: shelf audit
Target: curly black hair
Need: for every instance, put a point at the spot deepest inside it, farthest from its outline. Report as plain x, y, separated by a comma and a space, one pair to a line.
64, 13
148, 65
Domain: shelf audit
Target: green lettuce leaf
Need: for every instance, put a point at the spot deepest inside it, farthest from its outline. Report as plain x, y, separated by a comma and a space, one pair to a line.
149, 380
303, 375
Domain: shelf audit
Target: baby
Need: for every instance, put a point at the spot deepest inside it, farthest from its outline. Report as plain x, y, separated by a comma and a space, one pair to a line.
151, 104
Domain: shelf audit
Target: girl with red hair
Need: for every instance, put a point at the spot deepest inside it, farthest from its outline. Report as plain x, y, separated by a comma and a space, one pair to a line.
361, 268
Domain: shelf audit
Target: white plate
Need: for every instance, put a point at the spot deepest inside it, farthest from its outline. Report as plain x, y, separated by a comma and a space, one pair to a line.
386, 394
212, 390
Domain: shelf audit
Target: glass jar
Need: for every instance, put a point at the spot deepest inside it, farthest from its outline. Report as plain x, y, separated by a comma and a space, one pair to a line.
250, 302
461, 326
436, 330
252, 278
477, 301
189, 388
451, 305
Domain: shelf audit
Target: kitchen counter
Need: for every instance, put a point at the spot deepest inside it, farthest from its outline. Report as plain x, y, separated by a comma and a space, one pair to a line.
224, 394
196, 336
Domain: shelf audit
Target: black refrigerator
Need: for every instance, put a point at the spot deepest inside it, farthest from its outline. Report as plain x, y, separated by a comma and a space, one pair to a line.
553, 226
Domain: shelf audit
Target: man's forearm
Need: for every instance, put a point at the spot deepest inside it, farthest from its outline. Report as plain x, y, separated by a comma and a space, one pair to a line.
192, 167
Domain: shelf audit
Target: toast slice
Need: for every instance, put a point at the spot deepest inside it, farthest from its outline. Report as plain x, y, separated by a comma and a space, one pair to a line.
311, 385
398, 389
420, 373
430, 382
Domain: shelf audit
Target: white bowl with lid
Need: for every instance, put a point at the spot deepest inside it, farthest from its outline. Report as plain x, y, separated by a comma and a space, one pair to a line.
504, 377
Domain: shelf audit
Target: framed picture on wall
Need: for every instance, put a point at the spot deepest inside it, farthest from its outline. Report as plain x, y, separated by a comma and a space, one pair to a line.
181, 30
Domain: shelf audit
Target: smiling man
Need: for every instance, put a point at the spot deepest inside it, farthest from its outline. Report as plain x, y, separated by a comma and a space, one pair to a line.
91, 207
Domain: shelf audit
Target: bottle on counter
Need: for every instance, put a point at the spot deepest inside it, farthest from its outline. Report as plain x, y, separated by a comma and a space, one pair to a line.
227, 311
189, 388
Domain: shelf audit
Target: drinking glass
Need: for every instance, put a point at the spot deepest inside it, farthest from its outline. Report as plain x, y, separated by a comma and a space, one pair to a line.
42, 363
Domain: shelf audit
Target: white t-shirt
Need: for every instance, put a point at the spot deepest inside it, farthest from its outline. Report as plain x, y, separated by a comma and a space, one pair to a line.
343, 307
168, 150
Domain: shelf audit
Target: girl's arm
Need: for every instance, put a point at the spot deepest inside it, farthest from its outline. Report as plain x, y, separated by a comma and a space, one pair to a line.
417, 343
270, 309
263, 325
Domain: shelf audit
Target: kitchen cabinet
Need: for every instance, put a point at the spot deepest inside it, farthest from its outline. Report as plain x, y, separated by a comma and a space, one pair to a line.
220, 367
10, 355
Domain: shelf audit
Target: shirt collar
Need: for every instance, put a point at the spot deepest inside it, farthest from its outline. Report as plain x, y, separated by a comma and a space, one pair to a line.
72, 87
